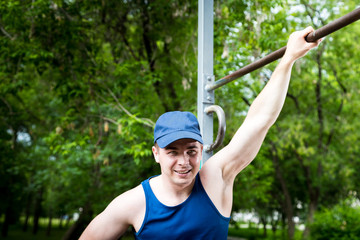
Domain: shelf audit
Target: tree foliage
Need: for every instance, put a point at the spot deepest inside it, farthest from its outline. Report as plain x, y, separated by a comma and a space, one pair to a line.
82, 83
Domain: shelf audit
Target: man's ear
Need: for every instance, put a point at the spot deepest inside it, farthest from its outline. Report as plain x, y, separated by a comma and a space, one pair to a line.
155, 153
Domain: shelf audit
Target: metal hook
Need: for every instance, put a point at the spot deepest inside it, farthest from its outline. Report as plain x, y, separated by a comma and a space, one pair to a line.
222, 126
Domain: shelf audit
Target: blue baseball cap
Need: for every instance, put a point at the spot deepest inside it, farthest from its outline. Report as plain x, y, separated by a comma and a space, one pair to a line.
172, 126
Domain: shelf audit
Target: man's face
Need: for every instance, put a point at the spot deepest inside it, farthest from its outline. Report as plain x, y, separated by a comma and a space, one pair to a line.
180, 160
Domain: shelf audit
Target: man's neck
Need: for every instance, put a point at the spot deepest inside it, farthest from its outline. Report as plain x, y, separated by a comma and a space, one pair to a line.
170, 193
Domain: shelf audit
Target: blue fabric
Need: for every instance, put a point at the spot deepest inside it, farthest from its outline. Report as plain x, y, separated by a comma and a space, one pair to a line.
195, 218
172, 126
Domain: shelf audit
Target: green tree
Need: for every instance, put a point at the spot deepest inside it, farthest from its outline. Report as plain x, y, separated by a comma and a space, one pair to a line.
82, 83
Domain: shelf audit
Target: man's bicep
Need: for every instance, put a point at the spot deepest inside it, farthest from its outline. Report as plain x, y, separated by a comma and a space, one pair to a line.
241, 150
105, 226
117, 217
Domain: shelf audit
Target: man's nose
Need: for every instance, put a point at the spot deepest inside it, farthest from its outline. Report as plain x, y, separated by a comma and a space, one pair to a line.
183, 159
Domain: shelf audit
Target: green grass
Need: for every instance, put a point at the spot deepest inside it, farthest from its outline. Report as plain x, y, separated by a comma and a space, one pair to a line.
16, 233
258, 234
56, 233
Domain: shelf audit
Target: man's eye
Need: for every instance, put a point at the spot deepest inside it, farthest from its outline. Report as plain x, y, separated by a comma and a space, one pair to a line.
192, 152
172, 153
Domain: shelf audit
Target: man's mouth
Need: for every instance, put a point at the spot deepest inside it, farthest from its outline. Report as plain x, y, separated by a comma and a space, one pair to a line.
182, 172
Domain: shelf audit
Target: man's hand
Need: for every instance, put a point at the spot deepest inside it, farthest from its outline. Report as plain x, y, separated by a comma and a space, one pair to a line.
297, 46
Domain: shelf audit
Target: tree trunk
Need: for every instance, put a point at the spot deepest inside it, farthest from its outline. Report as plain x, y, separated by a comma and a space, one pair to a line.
289, 212
310, 218
67, 221
287, 203
273, 227
37, 211
283, 223
27, 213
314, 189
264, 222
48, 231
79, 226
6, 223
61, 222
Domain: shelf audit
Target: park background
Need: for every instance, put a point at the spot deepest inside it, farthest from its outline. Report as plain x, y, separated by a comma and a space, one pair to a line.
82, 83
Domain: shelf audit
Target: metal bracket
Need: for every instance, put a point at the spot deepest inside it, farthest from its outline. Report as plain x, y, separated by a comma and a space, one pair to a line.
222, 126
208, 96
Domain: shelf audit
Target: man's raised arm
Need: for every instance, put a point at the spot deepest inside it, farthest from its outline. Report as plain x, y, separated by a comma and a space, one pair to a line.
263, 112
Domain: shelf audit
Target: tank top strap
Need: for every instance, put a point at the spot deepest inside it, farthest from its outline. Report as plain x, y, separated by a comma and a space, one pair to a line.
146, 186
198, 185
149, 194
149, 198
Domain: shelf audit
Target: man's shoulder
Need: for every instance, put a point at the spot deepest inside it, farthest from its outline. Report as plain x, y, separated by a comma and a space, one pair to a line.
128, 201
134, 196
128, 206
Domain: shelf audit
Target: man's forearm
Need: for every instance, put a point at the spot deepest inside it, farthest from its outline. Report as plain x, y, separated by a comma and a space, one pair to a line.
268, 104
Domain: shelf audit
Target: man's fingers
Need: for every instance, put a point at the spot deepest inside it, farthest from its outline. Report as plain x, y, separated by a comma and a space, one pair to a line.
310, 30
307, 30
305, 33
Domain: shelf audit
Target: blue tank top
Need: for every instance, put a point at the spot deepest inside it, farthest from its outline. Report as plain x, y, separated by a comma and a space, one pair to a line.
195, 218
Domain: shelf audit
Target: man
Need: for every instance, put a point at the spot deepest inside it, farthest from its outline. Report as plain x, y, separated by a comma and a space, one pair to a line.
184, 201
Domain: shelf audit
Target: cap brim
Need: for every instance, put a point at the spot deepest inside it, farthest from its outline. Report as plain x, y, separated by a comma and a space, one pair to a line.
174, 136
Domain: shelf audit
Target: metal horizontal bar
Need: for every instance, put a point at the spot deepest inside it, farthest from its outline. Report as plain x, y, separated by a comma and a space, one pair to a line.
312, 37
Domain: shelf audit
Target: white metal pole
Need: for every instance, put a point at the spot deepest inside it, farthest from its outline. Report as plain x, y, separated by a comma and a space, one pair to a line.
205, 71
